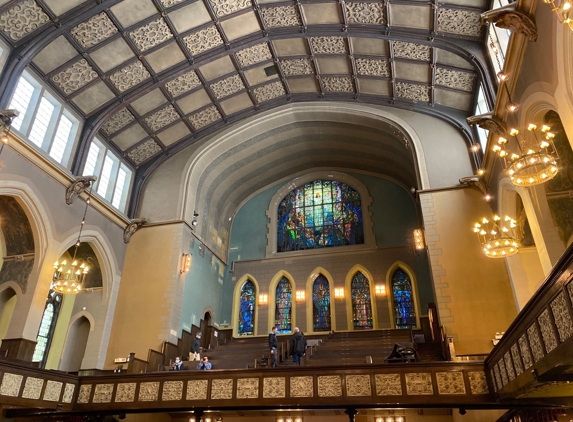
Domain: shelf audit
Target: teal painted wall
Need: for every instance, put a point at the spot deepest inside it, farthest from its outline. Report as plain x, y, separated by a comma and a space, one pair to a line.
394, 218
203, 288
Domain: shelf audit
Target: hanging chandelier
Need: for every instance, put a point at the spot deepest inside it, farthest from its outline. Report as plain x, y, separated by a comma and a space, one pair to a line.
534, 162
70, 279
498, 241
562, 11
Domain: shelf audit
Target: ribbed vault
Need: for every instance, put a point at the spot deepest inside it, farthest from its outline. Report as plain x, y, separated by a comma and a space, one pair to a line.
152, 76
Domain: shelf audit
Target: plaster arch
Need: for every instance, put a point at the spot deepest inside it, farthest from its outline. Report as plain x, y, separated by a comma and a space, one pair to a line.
348, 293
522, 284
14, 286
208, 310
389, 294
87, 315
309, 305
272, 211
272, 298
236, 302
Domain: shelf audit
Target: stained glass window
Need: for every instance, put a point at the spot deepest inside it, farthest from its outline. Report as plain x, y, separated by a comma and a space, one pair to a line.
361, 304
321, 304
247, 309
403, 296
319, 214
283, 306
47, 327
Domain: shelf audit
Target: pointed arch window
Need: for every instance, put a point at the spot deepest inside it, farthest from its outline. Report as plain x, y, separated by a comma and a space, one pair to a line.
403, 297
283, 306
319, 214
247, 309
47, 327
321, 304
361, 302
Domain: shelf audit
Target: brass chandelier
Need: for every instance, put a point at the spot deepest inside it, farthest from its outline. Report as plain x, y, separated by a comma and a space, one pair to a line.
534, 162
498, 239
562, 11
70, 279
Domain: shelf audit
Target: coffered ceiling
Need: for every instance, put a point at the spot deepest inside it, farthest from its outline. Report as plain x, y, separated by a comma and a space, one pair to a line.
155, 75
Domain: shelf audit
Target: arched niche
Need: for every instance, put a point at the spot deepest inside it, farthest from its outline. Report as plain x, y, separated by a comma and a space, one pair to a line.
77, 336
319, 272
399, 265
273, 299
8, 300
247, 278
350, 299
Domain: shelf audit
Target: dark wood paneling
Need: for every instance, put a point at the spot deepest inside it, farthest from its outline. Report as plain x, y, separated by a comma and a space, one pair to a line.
19, 348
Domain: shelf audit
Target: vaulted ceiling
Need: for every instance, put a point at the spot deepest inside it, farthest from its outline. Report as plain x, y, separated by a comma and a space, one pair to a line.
151, 76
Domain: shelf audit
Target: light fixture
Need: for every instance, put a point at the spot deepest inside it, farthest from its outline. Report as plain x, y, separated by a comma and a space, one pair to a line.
562, 11
481, 172
535, 161
300, 295
502, 76
475, 147
263, 299
195, 222
499, 241
186, 263
380, 289
70, 280
339, 293
511, 106
419, 239
487, 197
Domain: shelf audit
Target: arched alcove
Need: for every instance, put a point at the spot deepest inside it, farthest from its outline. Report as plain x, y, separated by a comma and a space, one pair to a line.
320, 292
245, 301
282, 302
397, 273
8, 299
360, 293
75, 346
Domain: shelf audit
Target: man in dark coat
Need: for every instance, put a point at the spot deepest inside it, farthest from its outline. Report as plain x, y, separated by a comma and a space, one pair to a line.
297, 346
196, 347
273, 346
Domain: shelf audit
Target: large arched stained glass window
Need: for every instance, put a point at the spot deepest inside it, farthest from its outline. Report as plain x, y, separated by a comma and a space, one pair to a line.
321, 304
247, 309
283, 306
403, 296
319, 214
361, 304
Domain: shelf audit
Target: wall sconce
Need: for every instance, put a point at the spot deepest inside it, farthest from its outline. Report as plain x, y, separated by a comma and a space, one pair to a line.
300, 295
263, 299
186, 263
339, 293
195, 222
380, 289
390, 419
419, 239
290, 419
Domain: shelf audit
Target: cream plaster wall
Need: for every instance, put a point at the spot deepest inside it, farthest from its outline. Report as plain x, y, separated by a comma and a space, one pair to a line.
526, 274
150, 291
473, 292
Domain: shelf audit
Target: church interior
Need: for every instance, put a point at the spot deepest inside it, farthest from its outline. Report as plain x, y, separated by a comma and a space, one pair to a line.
393, 178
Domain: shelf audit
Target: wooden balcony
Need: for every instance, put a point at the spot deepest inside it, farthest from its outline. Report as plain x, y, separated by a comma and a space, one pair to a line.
443, 384
534, 359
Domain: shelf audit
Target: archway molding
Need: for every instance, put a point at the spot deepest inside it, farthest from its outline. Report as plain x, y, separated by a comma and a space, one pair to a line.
273, 298
87, 315
237, 301
14, 286
208, 310
402, 265
308, 298
348, 293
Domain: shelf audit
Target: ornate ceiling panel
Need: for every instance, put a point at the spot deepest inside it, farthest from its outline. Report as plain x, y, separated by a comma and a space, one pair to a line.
164, 72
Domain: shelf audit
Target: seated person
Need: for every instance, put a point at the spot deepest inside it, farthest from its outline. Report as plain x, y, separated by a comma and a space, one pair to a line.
205, 364
177, 365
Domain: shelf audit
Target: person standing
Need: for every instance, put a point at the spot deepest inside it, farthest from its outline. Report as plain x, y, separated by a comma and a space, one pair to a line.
273, 346
297, 346
196, 348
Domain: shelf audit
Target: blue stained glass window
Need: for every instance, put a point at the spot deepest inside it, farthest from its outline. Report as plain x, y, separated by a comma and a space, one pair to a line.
361, 304
283, 308
247, 309
319, 214
321, 304
403, 295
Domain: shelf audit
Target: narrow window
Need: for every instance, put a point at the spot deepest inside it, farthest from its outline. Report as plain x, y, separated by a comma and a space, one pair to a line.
321, 304
247, 309
361, 303
119, 185
61, 140
403, 297
105, 176
93, 154
21, 101
283, 306
47, 327
41, 122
